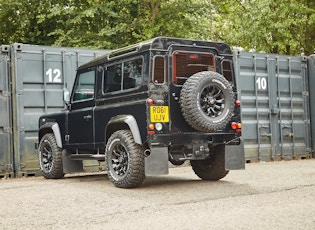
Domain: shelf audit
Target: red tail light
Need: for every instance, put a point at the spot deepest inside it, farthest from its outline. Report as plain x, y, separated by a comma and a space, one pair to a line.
150, 101
234, 125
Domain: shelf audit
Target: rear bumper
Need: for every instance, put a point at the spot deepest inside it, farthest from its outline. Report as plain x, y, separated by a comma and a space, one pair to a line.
188, 138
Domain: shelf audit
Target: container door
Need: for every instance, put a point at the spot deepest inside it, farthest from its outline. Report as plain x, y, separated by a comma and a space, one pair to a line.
40, 74
311, 76
6, 153
275, 106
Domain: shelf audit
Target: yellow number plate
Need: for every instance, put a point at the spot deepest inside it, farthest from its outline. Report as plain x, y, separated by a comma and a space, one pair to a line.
159, 114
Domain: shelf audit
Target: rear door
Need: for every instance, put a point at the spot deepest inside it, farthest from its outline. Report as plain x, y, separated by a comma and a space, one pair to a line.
184, 63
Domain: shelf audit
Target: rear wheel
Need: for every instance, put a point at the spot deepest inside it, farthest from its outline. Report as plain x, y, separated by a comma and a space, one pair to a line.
125, 160
50, 157
212, 168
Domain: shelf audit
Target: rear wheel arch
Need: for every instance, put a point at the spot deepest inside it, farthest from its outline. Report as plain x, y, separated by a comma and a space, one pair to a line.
123, 122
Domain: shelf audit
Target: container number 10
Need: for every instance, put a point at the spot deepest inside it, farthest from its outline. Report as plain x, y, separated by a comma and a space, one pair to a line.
261, 83
54, 75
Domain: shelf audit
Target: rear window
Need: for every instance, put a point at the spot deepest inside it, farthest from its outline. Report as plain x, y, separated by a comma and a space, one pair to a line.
186, 64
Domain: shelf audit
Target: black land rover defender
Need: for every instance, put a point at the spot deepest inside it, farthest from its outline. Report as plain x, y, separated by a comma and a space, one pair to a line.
140, 107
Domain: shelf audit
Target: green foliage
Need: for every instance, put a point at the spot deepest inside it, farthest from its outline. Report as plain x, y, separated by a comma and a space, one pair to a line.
285, 27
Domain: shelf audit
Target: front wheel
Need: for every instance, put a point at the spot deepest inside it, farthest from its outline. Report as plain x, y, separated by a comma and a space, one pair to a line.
212, 168
125, 160
50, 157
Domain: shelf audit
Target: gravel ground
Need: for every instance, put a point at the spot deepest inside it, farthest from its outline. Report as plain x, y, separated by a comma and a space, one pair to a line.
278, 195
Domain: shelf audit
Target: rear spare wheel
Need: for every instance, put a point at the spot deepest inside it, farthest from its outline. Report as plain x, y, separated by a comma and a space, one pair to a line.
207, 101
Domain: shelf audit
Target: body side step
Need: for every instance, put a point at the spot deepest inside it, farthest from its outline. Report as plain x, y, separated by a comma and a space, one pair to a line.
99, 157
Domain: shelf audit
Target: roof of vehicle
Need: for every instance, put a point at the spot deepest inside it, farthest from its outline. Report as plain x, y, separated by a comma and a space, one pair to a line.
158, 43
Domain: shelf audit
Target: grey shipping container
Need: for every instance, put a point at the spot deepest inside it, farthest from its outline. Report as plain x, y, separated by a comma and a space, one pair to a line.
39, 75
275, 106
311, 74
6, 148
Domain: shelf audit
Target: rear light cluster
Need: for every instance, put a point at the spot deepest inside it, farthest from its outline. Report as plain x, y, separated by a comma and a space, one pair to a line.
237, 126
156, 126
152, 127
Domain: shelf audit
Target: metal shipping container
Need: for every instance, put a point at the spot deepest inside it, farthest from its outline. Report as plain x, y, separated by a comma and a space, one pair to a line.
275, 106
6, 150
311, 74
39, 76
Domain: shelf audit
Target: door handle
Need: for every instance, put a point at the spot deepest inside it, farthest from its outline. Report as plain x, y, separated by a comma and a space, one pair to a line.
87, 117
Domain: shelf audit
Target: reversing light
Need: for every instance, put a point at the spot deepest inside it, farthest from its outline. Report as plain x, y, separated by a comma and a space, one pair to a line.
150, 101
158, 126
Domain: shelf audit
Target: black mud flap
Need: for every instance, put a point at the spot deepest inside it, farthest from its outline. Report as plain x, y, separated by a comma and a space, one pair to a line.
235, 157
71, 165
157, 162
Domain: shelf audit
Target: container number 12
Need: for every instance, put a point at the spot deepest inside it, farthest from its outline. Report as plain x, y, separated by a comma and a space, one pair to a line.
261, 83
54, 75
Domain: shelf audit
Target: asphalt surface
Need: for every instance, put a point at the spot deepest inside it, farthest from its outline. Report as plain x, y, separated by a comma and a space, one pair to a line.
278, 195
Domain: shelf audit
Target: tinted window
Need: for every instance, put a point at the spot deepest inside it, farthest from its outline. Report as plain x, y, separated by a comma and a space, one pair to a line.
122, 76
187, 64
84, 88
158, 71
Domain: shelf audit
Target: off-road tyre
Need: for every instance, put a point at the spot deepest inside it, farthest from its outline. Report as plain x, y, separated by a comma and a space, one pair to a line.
124, 160
50, 157
212, 168
207, 101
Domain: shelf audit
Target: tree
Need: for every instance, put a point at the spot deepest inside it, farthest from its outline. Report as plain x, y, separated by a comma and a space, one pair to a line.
284, 27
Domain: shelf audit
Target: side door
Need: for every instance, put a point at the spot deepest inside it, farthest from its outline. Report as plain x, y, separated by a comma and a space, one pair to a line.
81, 115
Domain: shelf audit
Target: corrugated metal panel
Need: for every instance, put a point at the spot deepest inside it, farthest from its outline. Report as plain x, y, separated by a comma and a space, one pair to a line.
6, 153
39, 76
275, 106
311, 74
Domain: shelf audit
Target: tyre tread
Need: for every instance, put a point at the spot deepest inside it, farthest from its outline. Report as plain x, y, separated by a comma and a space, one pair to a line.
135, 174
56, 171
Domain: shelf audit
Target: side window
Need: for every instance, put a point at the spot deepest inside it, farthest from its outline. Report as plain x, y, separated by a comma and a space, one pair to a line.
112, 78
122, 76
84, 88
158, 70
